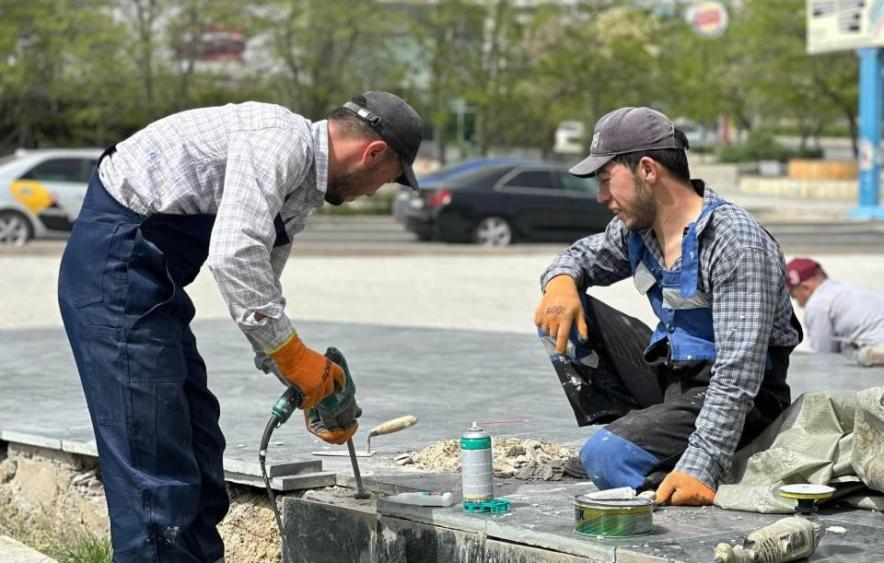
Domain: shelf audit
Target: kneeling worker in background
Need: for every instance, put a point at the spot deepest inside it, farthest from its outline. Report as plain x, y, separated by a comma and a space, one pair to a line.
837, 317
677, 401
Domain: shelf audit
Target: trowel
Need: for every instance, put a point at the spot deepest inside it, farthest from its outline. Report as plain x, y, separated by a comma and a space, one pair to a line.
388, 427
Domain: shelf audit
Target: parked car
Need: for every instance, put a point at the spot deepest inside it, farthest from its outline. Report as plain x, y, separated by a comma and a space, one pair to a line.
432, 180
41, 192
495, 202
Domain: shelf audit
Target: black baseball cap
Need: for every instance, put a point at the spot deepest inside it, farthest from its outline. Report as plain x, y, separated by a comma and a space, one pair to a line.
397, 124
627, 130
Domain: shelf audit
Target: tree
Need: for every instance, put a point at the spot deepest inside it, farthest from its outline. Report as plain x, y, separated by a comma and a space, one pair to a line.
326, 50
784, 79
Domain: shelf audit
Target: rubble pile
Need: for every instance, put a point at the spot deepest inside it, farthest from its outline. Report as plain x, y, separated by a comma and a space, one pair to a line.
512, 458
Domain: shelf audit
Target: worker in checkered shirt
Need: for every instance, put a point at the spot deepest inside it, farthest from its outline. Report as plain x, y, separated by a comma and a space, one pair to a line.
228, 186
679, 400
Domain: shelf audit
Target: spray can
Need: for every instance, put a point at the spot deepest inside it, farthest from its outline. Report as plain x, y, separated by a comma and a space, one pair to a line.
475, 447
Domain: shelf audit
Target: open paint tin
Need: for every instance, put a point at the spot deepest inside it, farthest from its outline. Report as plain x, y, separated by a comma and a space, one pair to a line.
620, 517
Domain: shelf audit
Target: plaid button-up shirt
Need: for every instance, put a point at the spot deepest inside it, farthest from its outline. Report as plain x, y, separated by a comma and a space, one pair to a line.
247, 164
742, 268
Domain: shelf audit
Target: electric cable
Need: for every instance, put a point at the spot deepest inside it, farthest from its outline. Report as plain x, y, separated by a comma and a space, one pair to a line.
272, 424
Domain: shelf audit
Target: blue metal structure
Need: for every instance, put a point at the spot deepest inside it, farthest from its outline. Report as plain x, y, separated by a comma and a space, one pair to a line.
870, 100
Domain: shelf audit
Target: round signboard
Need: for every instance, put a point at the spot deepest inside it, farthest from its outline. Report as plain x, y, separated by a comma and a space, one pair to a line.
709, 19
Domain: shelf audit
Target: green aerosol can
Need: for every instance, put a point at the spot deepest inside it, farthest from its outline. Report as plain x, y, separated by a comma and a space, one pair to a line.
476, 469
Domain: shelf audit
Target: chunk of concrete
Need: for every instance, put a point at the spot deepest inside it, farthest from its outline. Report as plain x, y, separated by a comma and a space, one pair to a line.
12, 551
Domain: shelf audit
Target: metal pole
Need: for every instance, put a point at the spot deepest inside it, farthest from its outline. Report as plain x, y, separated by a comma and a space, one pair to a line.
870, 92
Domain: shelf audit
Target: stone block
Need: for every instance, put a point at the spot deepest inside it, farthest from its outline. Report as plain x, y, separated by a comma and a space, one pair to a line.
323, 533
402, 541
80, 448
285, 483
31, 439
12, 551
274, 469
506, 552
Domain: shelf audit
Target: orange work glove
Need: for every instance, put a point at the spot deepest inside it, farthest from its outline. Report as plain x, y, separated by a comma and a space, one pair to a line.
680, 489
315, 376
559, 309
332, 436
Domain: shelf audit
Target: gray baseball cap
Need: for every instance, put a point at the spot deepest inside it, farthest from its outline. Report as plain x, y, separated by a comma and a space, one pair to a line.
627, 130
397, 124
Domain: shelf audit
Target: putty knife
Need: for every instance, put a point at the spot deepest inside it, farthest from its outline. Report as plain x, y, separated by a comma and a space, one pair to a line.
387, 427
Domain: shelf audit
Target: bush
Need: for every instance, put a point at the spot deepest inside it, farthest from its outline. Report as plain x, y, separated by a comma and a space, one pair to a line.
762, 145
380, 203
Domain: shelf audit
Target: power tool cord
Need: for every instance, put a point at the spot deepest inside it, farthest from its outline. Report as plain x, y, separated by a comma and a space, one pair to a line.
272, 424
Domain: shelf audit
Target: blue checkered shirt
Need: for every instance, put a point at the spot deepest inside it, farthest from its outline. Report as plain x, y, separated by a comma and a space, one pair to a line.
743, 269
246, 164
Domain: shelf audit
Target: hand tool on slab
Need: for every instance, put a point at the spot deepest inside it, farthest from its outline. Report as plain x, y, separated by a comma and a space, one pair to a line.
388, 427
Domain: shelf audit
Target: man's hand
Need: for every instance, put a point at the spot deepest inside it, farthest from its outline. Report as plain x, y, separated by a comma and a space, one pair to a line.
312, 373
332, 436
680, 489
559, 309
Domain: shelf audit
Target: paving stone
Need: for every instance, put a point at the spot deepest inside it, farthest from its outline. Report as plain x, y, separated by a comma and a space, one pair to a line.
35, 439
286, 483
12, 551
80, 448
447, 378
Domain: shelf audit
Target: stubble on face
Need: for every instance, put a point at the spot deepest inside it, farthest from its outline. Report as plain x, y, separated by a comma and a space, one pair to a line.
346, 186
643, 208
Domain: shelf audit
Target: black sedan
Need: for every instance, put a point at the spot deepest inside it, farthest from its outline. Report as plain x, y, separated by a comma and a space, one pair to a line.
496, 202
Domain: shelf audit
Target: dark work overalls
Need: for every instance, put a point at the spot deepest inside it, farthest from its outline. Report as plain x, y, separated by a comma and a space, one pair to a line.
650, 395
121, 294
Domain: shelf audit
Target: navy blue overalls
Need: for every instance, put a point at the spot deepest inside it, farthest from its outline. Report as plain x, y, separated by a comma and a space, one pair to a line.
651, 394
156, 422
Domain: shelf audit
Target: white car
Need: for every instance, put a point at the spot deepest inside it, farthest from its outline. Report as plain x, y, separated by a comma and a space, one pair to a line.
41, 192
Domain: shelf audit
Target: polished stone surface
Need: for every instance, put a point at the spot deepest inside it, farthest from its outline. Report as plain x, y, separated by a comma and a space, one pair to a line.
447, 378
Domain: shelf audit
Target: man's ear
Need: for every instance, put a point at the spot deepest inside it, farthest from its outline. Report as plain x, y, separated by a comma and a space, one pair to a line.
374, 152
648, 167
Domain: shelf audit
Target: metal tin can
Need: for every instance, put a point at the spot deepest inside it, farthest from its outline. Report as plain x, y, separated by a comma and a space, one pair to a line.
622, 517
476, 469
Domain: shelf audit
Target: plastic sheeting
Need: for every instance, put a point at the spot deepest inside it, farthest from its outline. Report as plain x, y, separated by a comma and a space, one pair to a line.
826, 438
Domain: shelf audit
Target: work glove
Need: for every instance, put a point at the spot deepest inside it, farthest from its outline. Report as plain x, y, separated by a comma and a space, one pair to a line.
680, 489
560, 309
330, 435
315, 376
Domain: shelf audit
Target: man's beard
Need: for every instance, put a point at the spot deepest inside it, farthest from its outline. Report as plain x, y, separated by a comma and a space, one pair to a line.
644, 208
346, 185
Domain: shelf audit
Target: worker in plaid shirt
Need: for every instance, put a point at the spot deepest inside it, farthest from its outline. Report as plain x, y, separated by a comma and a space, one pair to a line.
229, 187
679, 400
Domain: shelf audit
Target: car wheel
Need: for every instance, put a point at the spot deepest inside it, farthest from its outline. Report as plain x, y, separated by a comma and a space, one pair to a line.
493, 231
15, 229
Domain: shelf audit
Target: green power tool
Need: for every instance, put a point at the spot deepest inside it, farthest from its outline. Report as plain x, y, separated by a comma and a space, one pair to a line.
338, 410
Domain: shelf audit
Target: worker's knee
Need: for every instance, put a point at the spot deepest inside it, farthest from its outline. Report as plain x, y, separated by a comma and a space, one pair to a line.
611, 461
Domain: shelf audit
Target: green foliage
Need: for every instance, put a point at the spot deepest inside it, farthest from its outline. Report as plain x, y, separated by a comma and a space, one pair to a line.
88, 549
762, 145
89, 72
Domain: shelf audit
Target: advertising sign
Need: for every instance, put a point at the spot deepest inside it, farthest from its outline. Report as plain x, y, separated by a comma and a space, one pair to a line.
838, 25
709, 19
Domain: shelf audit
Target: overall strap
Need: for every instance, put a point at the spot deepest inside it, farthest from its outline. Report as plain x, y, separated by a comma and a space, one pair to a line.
690, 253
636, 248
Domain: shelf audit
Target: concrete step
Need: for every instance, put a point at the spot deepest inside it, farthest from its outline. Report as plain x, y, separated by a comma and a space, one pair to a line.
12, 551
